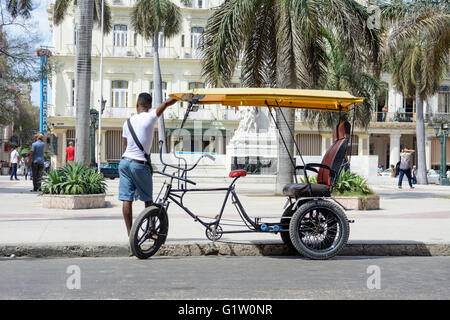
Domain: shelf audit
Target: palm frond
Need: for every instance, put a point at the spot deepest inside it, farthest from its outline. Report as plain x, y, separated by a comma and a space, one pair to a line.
60, 10
259, 59
107, 23
227, 30
20, 8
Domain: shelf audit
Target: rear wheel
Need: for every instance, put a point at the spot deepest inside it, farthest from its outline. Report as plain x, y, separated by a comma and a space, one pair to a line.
319, 229
149, 232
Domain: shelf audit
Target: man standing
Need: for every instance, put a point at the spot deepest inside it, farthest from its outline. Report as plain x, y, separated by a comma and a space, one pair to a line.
134, 170
13, 162
405, 166
70, 153
37, 161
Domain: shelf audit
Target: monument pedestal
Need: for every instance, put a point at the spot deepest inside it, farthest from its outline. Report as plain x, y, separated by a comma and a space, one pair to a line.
254, 146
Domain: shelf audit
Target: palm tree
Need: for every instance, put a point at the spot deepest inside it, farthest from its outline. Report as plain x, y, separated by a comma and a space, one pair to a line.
20, 8
150, 18
283, 46
417, 53
88, 11
341, 75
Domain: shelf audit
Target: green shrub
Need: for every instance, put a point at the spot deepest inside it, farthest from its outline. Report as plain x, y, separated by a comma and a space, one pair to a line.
74, 178
311, 178
349, 183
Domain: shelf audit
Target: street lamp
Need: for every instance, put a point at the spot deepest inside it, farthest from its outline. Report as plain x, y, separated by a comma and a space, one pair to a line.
441, 132
94, 126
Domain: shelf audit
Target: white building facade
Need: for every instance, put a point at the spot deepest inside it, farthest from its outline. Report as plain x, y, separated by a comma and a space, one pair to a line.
128, 71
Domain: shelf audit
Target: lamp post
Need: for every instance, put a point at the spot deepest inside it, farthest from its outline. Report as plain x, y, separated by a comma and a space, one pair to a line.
94, 126
102, 101
441, 132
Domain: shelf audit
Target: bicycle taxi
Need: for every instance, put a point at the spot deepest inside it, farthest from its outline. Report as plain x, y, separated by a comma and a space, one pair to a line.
312, 221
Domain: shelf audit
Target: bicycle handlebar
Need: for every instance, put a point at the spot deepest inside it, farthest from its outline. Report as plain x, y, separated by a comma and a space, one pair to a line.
185, 169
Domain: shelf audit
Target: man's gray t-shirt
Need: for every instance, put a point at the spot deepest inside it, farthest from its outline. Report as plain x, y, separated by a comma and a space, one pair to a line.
405, 160
38, 152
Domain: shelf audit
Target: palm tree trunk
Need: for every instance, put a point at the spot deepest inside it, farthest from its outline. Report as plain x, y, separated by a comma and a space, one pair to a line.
285, 166
420, 137
157, 91
83, 88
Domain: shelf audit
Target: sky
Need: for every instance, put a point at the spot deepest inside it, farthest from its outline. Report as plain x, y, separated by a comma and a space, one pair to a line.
40, 17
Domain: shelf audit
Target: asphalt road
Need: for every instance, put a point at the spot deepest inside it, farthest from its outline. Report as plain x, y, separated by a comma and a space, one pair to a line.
226, 278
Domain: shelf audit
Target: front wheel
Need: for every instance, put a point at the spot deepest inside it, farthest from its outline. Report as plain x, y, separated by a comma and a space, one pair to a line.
319, 229
149, 232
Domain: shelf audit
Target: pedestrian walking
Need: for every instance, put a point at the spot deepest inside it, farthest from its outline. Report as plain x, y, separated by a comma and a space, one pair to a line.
27, 165
413, 175
70, 153
14, 159
37, 161
405, 166
393, 172
135, 168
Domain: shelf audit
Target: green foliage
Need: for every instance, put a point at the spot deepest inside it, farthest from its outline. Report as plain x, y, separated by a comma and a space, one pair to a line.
23, 151
311, 179
350, 182
74, 178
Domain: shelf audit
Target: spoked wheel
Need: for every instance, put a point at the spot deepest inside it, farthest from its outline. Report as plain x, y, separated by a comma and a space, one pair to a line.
319, 229
149, 232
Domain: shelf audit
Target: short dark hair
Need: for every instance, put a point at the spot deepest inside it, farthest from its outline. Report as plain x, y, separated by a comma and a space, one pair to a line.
145, 100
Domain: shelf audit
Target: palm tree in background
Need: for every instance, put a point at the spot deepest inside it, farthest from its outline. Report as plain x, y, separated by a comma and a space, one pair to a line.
20, 8
88, 12
150, 18
417, 52
341, 75
283, 46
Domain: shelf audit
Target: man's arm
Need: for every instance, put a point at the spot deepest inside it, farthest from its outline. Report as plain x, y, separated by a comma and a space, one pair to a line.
164, 105
125, 143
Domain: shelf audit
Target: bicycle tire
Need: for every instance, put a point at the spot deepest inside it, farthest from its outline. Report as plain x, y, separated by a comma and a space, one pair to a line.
156, 236
321, 219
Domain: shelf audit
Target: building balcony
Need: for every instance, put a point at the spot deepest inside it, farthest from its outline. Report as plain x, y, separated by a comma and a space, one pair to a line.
119, 112
122, 52
164, 52
439, 116
394, 117
190, 53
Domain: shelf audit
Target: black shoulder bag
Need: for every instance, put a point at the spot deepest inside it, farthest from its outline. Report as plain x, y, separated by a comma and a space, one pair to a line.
138, 143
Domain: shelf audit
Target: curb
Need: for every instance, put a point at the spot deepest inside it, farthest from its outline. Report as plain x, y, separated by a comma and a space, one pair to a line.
222, 249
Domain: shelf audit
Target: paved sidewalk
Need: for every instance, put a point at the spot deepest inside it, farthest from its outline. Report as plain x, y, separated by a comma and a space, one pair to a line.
410, 222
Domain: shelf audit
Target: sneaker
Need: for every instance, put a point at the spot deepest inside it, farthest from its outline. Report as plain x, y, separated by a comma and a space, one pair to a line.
412, 187
399, 187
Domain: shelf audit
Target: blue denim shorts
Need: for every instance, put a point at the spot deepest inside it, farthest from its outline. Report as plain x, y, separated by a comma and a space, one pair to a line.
135, 177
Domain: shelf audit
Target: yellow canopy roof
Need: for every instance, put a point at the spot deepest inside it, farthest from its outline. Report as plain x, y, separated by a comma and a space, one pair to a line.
323, 100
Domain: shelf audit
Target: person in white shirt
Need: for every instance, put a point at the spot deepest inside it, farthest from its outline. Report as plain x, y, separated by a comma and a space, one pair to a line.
14, 159
134, 170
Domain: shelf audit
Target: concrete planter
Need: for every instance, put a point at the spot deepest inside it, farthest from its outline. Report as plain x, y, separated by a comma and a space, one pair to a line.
360, 203
69, 202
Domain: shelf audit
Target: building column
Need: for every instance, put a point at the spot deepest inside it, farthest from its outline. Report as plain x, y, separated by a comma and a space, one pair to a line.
64, 146
394, 151
363, 145
103, 155
59, 159
428, 150
326, 142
